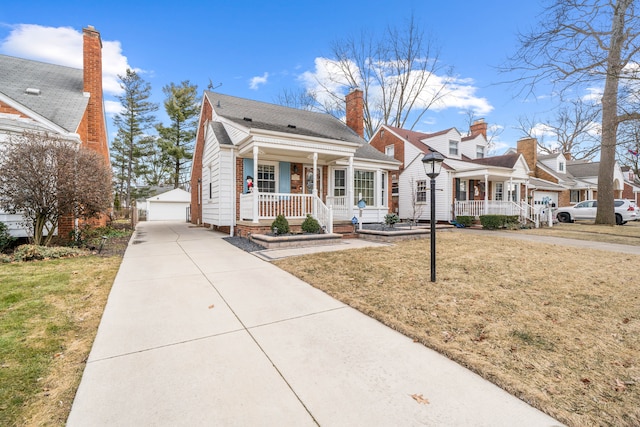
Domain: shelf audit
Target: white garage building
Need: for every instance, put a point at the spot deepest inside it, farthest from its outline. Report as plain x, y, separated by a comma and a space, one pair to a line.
169, 206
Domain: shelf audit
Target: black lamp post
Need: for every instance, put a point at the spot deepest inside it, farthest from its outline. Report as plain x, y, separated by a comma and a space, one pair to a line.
432, 163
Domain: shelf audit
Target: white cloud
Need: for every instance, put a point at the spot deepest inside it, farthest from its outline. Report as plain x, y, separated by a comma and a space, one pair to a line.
112, 107
63, 46
255, 82
328, 77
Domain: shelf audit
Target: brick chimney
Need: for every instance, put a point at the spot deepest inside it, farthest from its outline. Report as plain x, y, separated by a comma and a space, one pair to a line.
94, 126
479, 127
355, 111
528, 147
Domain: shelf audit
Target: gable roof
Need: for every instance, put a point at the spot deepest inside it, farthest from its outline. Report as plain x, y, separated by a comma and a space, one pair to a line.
504, 161
277, 118
61, 99
264, 116
582, 169
415, 138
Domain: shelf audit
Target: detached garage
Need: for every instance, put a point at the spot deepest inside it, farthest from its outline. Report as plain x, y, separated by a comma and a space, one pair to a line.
169, 206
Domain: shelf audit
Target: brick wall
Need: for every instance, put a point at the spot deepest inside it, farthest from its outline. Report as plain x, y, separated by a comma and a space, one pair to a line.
4, 108
528, 147
196, 166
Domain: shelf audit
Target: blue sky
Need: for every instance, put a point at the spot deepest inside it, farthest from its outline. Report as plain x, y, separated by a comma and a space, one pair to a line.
257, 49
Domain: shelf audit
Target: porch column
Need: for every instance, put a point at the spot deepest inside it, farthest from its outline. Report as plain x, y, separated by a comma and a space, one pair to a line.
315, 174
510, 188
349, 201
256, 204
315, 185
486, 194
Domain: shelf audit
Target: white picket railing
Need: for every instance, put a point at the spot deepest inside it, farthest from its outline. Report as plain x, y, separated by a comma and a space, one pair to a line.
292, 206
476, 208
339, 206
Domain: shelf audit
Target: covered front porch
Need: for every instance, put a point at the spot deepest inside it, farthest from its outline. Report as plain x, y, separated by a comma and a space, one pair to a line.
494, 190
289, 178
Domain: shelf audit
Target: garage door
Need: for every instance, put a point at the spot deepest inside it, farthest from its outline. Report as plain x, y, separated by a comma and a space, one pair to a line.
166, 211
542, 198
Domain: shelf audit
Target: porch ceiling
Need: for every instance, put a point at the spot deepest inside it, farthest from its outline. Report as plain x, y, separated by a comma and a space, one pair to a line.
492, 175
298, 150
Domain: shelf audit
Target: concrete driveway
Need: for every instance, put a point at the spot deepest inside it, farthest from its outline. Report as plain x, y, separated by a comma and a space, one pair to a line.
197, 332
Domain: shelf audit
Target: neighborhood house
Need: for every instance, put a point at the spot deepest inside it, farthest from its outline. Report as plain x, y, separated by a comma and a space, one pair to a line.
255, 160
61, 101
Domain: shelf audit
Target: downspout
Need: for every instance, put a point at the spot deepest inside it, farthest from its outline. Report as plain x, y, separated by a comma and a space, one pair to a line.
234, 195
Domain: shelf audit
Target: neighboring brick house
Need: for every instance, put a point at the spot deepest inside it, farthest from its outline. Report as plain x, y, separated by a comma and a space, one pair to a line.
557, 179
299, 162
631, 189
470, 182
62, 101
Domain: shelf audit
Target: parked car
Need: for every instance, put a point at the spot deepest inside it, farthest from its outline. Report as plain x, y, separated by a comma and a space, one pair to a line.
626, 210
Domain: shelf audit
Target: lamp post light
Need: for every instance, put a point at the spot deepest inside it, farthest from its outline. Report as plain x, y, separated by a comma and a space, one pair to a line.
432, 163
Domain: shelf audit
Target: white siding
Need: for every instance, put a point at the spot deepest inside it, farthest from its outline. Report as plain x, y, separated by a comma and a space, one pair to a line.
217, 169
443, 194
440, 143
470, 147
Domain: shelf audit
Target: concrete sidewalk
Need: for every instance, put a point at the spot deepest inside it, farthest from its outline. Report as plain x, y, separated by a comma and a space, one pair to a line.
197, 332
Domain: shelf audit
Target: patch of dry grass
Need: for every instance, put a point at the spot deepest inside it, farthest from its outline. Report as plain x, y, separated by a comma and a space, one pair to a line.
558, 327
49, 315
628, 234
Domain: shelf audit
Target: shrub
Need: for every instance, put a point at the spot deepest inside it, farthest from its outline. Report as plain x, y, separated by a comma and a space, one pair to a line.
311, 225
467, 221
494, 222
6, 239
35, 252
280, 225
391, 219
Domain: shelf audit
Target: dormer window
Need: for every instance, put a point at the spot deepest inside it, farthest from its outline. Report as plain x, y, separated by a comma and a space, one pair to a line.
479, 152
453, 147
561, 166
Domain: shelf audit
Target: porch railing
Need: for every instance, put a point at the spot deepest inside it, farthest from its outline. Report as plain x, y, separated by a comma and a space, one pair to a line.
476, 208
339, 206
292, 206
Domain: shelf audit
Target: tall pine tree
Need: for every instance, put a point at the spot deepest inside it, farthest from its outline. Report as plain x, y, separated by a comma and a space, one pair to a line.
132, 143
176, 141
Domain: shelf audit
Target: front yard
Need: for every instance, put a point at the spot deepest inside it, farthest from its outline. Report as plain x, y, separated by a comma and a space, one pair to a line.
557, 326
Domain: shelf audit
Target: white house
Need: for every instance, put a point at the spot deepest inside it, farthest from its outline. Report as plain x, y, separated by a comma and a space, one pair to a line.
255, 160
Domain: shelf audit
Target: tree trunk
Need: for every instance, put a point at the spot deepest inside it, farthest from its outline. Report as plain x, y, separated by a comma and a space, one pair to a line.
605, 213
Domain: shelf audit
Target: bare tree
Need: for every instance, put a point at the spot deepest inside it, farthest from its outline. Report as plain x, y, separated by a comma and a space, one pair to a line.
400, 74
574, 129
578, 43
493, 131
629, 145
45, 178
301, 99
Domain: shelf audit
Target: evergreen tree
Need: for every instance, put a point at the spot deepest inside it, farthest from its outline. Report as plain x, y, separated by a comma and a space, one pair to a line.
176, 141
131, 143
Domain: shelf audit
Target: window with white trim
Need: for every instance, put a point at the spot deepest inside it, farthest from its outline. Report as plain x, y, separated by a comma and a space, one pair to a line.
421, 191
561, 167
389, 150
339, 182
364, 184
499, 192
574, 196
266, 178
453, 147
479, 151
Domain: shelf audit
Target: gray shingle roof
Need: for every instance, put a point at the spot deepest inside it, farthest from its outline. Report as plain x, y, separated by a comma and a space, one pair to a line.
61, 99
583, 169
278, 118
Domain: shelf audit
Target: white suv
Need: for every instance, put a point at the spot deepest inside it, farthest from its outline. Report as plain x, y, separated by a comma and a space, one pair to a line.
626, 210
